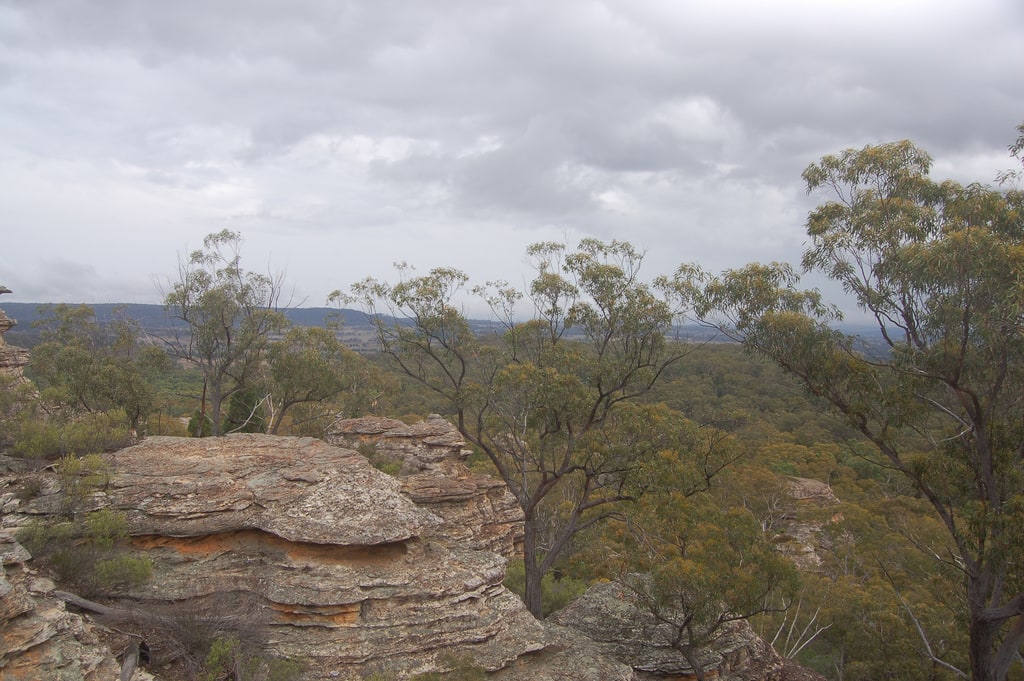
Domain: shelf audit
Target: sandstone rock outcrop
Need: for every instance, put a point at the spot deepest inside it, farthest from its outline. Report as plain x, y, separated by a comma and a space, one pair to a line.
12, 359
322, 546
39, 638
609, 615
336, 563
325, 555
478, 510
801, 535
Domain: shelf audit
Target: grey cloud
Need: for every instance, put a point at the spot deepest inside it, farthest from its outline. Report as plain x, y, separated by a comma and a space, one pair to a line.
684, 124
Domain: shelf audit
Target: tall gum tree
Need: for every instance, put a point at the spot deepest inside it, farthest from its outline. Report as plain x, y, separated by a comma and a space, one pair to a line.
229, 316
939, 268
545, 399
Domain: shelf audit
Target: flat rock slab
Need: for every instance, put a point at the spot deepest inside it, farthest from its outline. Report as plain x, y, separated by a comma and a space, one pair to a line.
299, 489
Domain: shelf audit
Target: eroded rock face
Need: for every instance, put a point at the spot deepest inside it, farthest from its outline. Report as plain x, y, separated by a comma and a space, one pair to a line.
39, 638
478, 510
802, 533
326, 549
12, 359
608, 614
328, 557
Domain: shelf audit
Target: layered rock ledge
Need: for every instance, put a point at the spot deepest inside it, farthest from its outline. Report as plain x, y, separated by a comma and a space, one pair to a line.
478, 510
321, 546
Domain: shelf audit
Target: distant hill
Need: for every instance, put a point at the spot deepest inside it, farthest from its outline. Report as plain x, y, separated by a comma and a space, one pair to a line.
153, 316
154, 320
356, 330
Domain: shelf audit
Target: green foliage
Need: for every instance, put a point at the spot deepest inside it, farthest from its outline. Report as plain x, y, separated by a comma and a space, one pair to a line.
17, 407
80, 477
246, 413
230, 659
122, 572
694, 566
541, 406
87, 552
38, 437
938, 267
556, 590
84, 367
28, 488
220, 661
311, 367
200, 425
40, 536
379, 460
230, 314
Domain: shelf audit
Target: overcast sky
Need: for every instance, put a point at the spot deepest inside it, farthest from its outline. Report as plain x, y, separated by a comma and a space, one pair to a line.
341, 136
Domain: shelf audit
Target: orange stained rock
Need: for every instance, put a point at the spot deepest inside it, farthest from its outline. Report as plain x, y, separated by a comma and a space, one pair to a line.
258, 541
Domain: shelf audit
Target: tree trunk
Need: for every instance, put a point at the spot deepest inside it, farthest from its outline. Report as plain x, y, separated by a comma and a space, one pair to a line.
215, 407
202, 411
531, 569
982, 649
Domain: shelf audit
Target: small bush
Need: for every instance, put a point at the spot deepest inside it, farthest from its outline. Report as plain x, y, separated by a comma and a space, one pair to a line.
220, 638
380, 461
79, 478
42, 538
105, 528
200, 425
85, 553
74, 564
36, 440
50, 439
28, 488
121, 572
220, 660
99, 432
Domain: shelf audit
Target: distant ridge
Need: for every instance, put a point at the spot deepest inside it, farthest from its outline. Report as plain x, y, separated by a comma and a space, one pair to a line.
153, 316
356, 329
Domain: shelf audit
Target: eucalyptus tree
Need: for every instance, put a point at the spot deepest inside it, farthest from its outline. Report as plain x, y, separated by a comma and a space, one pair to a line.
310, 366
939, 269
88, 367
229, 316
543, 399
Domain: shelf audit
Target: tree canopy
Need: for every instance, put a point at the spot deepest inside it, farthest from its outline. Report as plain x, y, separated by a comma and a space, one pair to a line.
939, 269
546, 399
230, 314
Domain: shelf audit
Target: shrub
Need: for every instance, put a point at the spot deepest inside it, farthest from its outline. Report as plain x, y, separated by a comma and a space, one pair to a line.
218, 638
200, 425
28, 488
79, 478
121, 572
556, 592
380, 461
36, 440
42, 538
50, 439
86, 553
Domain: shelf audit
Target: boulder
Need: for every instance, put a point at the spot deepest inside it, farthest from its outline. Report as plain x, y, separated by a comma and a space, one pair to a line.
608, 614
